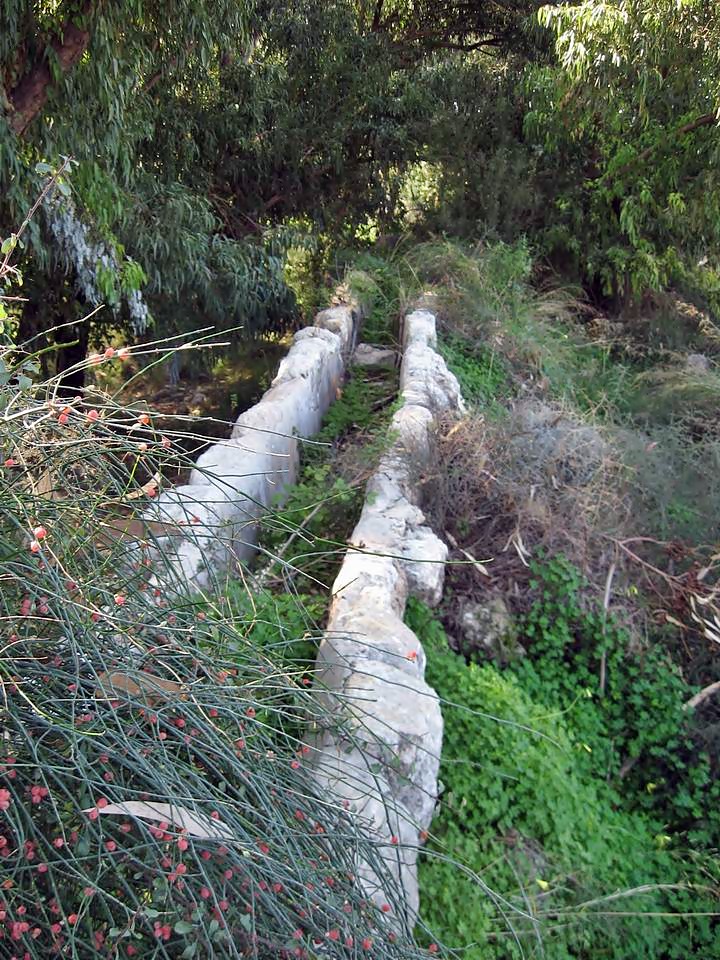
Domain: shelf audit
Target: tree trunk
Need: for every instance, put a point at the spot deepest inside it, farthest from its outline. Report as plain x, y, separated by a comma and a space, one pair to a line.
29, 96
72, 342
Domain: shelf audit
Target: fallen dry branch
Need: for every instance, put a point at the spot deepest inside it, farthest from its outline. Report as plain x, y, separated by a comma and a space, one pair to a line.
694, 702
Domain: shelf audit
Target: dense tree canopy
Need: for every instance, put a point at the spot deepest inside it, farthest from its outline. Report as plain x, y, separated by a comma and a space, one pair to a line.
202, 153
96, 81
632, 106
448, 24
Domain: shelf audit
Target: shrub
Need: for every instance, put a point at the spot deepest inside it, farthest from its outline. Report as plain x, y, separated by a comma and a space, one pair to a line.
156, 798
624, 706
530, 855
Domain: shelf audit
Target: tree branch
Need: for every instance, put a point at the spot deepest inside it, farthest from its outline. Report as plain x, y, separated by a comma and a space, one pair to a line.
706, 692
29, 96
377, 16
466, 47
706, 120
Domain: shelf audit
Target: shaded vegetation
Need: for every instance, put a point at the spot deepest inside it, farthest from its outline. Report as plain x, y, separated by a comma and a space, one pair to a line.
260, 137
547, 175
563, 868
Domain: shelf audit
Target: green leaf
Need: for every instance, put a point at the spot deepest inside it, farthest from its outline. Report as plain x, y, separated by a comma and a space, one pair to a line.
183, 926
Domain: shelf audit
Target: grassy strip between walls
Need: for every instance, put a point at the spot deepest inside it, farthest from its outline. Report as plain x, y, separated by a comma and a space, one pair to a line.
303, 542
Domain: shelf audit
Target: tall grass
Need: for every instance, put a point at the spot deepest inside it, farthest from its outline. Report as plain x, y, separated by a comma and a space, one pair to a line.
156, 796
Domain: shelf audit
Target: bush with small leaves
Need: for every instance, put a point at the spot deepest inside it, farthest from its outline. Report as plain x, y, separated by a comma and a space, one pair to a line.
157, 799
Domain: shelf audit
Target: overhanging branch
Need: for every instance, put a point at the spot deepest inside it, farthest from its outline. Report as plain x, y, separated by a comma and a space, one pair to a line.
29, 96
706, 120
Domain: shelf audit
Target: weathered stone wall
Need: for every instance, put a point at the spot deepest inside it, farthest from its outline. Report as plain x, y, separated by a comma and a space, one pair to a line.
215, 515
383, 764
381, 757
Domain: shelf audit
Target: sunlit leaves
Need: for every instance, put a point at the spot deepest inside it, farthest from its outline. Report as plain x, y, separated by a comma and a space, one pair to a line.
631, 104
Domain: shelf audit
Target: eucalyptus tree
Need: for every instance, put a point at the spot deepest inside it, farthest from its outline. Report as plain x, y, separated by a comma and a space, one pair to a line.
629, 116
94, 81
209, 136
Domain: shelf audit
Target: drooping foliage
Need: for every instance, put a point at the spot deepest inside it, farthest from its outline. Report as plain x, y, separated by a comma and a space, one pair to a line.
96, 82
629, 116
205, 153
415, 27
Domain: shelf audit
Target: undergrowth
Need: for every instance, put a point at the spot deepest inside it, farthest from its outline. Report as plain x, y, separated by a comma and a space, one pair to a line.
623, 703
304, 539
572, 873
382, 283
481, 372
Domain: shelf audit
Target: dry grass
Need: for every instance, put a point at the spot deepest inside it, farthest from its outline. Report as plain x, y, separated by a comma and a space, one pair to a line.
507, 490
592, 436
679, 394
542, 481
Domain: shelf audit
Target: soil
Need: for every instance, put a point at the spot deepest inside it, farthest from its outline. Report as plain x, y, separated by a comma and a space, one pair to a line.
204, 403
